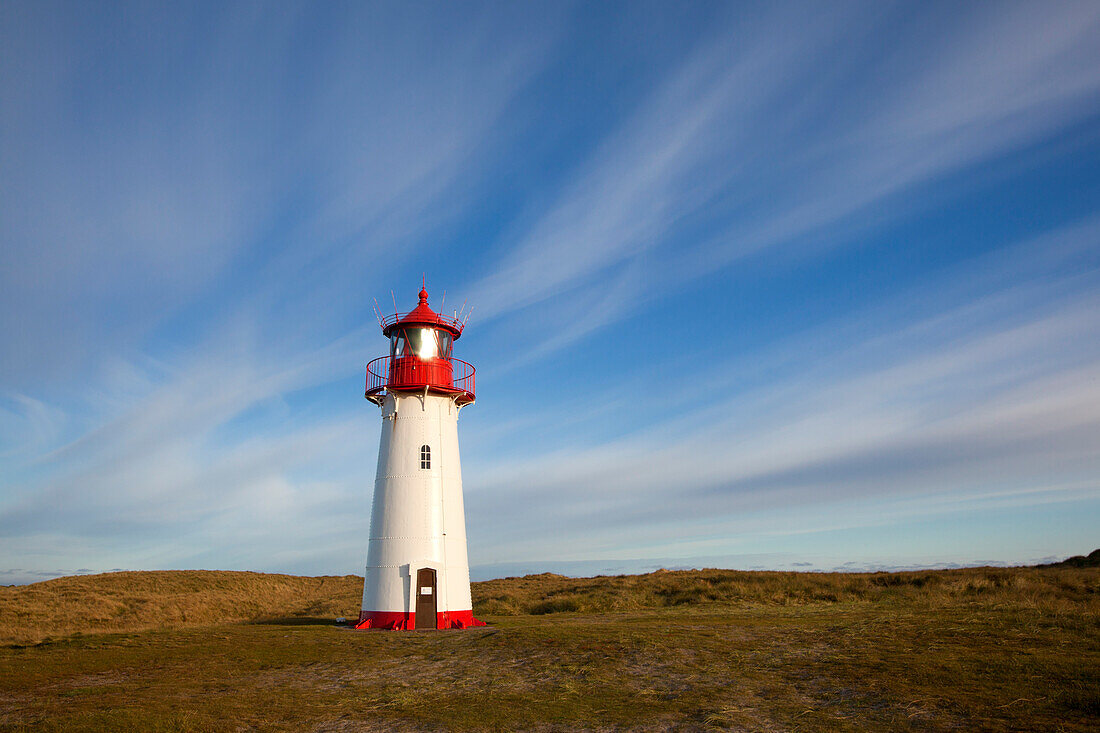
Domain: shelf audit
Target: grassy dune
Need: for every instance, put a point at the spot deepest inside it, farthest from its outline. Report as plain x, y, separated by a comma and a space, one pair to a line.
1054, 589
166, 599
979, 649
138, 601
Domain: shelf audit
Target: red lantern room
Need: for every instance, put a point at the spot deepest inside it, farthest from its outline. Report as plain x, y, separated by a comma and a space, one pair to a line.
420, 356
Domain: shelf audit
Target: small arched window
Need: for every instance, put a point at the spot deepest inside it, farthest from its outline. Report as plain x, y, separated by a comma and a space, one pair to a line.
425, 457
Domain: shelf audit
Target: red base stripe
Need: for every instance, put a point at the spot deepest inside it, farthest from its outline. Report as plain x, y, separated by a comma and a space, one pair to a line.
401, 621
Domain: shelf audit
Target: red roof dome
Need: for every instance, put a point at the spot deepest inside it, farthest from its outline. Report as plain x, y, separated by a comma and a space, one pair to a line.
421, 315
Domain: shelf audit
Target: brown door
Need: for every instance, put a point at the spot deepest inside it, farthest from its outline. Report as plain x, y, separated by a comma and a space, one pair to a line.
425, 598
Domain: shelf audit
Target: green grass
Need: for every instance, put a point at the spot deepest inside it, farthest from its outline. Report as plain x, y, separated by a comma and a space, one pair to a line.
982, 649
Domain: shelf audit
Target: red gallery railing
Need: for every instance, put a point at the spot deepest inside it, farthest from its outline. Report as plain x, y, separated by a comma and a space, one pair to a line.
394, 318
450, 376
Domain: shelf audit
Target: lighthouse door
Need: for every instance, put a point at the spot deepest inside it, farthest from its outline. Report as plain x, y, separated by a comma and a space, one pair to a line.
425, 598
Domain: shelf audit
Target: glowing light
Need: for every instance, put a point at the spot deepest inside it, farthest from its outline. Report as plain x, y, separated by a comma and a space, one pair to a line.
427, 343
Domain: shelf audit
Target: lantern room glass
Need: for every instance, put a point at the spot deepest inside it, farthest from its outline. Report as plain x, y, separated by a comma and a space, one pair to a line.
424, 343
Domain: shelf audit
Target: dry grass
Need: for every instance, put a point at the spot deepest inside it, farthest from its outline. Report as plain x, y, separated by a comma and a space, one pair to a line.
982, 649
1052, 589
135, 601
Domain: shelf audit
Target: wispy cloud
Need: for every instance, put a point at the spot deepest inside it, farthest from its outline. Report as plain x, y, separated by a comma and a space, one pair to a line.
993, 397
193, 255
198, 205
755, 142
195, 172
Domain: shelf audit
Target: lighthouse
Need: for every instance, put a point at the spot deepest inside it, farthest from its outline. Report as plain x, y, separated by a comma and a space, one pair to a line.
418, 575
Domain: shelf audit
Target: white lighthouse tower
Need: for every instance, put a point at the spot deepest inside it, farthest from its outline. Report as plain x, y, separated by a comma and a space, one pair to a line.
418, 576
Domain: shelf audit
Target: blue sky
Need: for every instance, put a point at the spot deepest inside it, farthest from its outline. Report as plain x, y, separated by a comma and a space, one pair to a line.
754, 285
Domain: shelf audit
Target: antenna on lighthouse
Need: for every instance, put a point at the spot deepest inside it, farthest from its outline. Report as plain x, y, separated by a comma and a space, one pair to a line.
378, 314
394, 297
